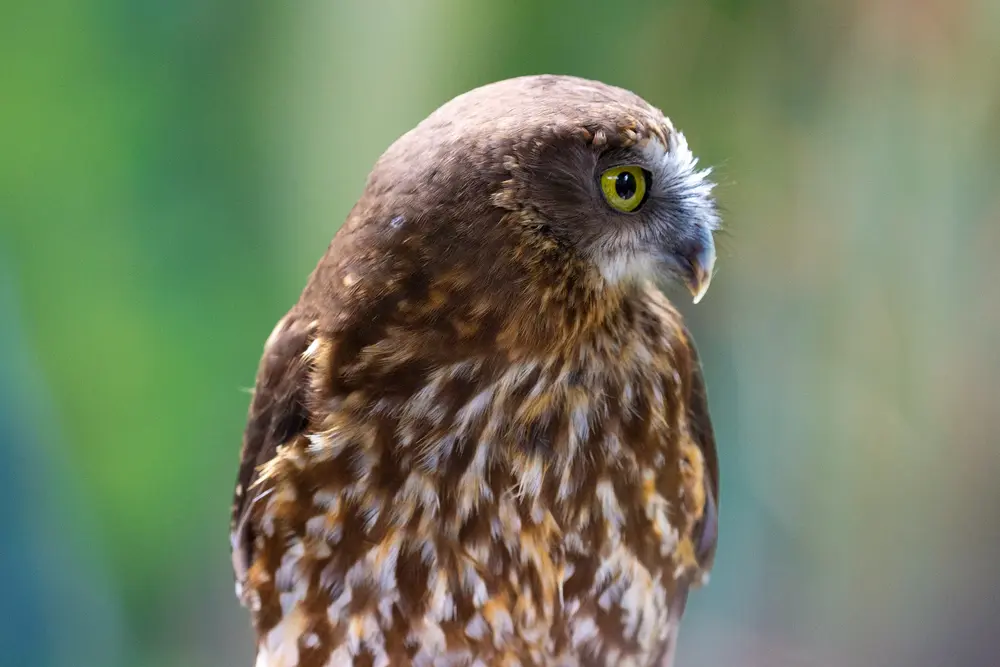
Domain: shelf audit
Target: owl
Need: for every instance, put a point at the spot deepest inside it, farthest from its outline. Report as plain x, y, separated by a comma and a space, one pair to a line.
481, 436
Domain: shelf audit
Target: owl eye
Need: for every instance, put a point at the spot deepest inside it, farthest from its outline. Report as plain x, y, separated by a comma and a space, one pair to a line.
624, 188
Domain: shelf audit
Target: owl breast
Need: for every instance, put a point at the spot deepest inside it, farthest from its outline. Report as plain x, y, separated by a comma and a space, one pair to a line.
532, 512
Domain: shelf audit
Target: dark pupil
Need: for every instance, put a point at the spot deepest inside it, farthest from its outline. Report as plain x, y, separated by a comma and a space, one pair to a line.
625, 185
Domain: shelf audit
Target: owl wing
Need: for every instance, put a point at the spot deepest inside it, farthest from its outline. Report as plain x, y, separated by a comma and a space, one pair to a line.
706, 531
700, 423
278, 412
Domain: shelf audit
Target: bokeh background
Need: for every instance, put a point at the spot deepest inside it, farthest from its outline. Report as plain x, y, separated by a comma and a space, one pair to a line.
171, 171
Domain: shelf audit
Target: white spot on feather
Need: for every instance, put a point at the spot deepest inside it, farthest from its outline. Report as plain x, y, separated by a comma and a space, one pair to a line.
280, 647
473, 409
609, 503
312, 349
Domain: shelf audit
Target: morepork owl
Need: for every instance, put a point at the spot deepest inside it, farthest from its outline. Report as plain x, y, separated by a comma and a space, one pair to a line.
481, 436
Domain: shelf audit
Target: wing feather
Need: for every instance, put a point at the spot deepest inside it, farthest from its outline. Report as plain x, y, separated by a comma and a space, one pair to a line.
278, 412
700, 423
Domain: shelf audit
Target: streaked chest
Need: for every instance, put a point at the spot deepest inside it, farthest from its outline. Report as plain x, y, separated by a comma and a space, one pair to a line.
532, 512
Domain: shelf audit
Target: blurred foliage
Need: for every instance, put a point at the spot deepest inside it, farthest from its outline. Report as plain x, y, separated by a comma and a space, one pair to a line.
171, 171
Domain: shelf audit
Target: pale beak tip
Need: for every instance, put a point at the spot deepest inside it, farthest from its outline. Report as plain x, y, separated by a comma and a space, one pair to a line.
702, 278
700, 288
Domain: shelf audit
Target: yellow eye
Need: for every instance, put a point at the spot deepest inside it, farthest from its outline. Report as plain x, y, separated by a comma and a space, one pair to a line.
624, 187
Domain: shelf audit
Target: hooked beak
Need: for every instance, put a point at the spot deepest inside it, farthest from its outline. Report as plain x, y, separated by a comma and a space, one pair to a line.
697, 260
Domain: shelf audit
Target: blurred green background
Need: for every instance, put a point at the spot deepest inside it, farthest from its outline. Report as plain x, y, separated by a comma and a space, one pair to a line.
171, 171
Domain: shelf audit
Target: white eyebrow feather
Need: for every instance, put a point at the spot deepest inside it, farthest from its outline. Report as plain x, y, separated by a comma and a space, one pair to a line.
677, 170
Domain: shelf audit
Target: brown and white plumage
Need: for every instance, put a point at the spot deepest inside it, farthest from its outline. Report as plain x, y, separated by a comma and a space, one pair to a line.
481, 436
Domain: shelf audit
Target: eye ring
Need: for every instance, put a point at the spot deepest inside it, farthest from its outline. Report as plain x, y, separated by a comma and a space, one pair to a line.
625, 188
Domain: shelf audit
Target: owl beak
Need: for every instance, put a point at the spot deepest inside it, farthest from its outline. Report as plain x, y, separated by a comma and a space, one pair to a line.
698, 260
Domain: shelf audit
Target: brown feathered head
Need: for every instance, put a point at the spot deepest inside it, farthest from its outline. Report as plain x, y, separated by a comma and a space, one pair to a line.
531, 183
